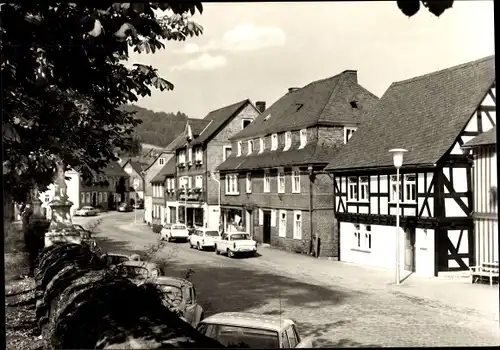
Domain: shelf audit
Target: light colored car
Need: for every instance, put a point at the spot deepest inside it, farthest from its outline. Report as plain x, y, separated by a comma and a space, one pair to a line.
203, 238
165, 230
248, 330
175, 232
112, 259
179, 294
138, 271
235, 243
86, 211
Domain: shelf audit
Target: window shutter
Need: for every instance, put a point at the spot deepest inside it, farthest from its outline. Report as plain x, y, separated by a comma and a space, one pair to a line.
273, 218
261, 217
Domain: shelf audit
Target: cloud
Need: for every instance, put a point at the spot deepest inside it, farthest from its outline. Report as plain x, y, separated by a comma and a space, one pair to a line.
243, 37
204, 62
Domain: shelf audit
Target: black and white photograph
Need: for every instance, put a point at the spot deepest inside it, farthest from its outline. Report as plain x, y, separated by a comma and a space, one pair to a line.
188, 174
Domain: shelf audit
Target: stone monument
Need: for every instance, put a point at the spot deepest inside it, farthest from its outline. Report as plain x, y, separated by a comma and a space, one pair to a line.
61, 227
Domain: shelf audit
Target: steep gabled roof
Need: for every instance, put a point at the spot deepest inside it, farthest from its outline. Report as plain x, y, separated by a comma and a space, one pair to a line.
136, 165
216, 119
196, 126
114, 169
168, 169
424, 115
486, 138
325, 101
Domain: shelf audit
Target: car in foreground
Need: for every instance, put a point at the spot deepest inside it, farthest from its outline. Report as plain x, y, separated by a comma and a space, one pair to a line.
138, 271
235, 243
124, 207
112, 259
84, 233
203, 238
86, 211
179, 295
176, 232
249, 330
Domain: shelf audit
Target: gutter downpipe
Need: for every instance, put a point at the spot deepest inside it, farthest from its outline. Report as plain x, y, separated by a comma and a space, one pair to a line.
310, 168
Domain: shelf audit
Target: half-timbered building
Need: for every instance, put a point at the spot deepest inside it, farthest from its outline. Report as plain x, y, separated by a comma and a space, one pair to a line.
485, 197
273, 184
431, 116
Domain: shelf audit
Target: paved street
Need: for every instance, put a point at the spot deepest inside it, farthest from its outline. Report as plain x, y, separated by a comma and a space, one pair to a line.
342, 305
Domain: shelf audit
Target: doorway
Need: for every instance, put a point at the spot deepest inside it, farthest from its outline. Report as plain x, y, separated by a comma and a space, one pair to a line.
94, 199
410, 249
266, 235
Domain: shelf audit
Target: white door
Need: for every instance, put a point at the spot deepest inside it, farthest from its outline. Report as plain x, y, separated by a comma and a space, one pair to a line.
148, 208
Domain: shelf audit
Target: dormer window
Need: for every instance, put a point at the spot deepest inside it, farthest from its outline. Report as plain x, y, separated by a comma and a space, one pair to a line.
190, 155
239, 149
348, 132
354, 104
274, 142
261, 145
250, 147
245, 123
267, 116
303, 138
288, 141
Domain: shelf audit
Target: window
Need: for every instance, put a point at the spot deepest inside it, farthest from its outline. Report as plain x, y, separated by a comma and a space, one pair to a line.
352, 190
410, 194
199, 181
100, 197
261, 145
226, 152
47, 198
232, 184
199, 155
303, 138
239, 148
104, 197
245, 123
274, 142
292, 336
348, 132
190, 155
297, 224
250, 147
161, 161
267, 182
190, 182
296, 180
261, 217
273, 217
249, 182
282, 223
181, 157
363, 188
281, 180
357, 235
362, 237
87, 197
136, 182
288, 141
368, 237
82, 198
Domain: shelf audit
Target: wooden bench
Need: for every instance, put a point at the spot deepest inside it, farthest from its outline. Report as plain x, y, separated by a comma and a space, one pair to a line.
486, 269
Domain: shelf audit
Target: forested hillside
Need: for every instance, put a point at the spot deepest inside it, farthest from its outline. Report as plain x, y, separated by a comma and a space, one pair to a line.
157, 128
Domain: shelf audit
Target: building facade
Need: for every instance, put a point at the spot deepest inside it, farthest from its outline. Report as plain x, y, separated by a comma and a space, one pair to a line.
485, 197
135, 170
274, 186
430, 116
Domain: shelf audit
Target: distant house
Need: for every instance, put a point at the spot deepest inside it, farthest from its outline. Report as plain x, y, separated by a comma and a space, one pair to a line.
485, 195
273, 184
191, 194
134, 169
431, 116
104, 190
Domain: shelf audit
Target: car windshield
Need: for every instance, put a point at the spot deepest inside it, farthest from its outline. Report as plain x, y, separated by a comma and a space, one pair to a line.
211, 233
87, 208
242, 337
167, 226
134, 272
116, 259
179, 227
172, 294
239, 236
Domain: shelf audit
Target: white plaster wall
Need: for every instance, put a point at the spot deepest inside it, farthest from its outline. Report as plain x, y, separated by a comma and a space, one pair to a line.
383, 184
148, 207
212, 216
373, 184
424, 252
73, 192
383, 205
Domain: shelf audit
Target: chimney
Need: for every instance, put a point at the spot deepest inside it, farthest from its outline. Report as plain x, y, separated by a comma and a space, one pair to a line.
292, 89
352, 74
261, 106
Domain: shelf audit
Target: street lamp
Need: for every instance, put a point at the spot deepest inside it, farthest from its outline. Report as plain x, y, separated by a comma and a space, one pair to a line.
397, 156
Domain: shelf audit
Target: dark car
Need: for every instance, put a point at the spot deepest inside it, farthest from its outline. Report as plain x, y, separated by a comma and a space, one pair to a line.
125, 207
139, 204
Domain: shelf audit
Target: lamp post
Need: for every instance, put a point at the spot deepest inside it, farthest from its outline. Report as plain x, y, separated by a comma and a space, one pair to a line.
397, 156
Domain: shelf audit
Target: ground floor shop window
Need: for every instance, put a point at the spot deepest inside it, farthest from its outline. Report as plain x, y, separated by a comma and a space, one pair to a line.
198, 217
182, 215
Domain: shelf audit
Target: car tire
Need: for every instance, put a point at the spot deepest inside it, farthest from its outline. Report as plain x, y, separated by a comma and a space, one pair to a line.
230, 254
216, 250
190, 244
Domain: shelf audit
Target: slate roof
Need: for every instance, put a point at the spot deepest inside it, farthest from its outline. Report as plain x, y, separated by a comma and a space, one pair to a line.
114, 169
197, 126
168, 169
216, 119
322, 102
486, 138
424, 115
325, 101
137, 165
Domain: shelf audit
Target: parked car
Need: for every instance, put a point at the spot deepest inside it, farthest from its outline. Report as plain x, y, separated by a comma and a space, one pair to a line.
82, 231
165, 230
86, 211
191, 228
179, 294
124, 207
114, 258
235, 243
248, 330
175, 232
139, 204
101, 209
138, 271
203, 238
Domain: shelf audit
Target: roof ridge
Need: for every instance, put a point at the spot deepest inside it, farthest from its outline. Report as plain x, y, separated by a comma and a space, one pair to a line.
232, 104
442, 71
206, 126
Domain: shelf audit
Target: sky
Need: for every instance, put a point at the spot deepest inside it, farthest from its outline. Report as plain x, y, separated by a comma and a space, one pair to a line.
259, 50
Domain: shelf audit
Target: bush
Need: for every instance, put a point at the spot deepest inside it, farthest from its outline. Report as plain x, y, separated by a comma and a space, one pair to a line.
157, 228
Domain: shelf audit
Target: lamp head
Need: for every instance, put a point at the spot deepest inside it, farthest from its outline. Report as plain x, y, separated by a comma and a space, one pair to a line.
397, 156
